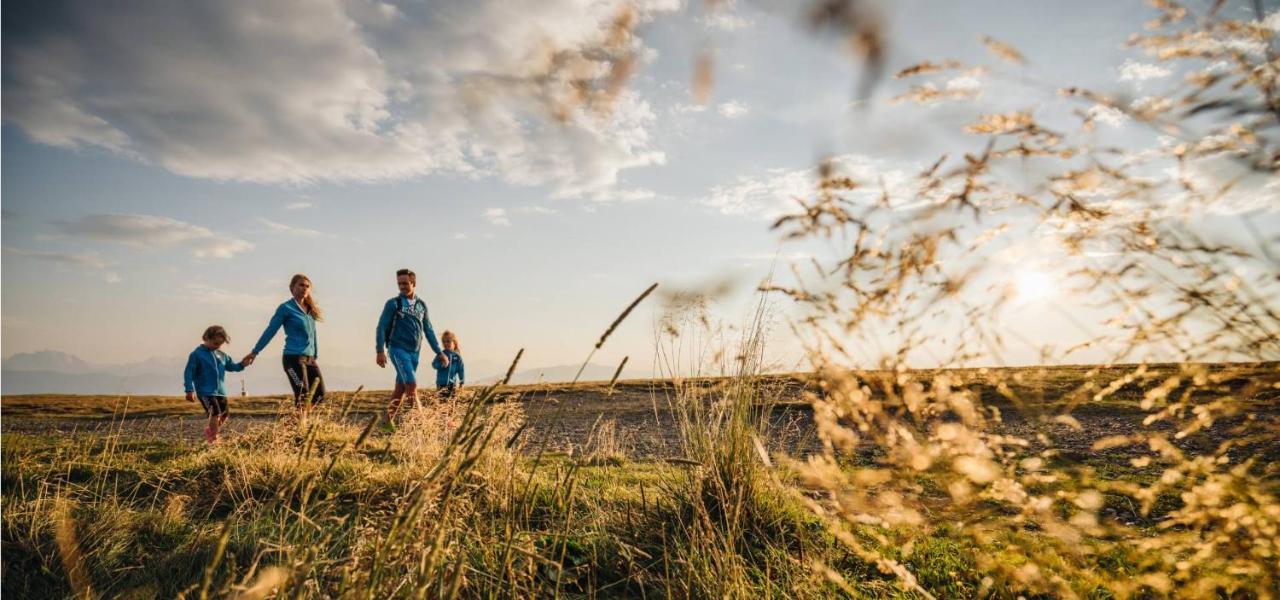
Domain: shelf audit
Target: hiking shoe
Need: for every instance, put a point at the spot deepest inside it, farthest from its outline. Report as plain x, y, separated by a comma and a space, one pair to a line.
208, 435
388, 427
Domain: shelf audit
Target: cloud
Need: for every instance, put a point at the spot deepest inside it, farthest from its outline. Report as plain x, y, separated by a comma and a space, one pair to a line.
154, 231
733, 109
725, 17
297, 205
964, 83
539, 210
1106, 114
497, 217
202, 293
291, 230
111, 278
1133, 70
79, 259
776, 193
300, 91
459, 236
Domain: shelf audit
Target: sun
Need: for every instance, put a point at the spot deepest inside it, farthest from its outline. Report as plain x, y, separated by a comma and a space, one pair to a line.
1034, 284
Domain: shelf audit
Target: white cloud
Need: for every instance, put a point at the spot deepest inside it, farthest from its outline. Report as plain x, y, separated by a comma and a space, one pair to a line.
79, 259
726, 16
291, 230
964, 83
154, 231
459, 236
297, 91
1106, 114
776, 193
207, 294
1133, 70
497, 217
111, 278
733, 109
297, 205
539, 210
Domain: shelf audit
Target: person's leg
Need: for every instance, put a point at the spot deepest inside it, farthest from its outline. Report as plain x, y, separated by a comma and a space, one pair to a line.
297, 377
216, 416
393, 406
411, 394
317, 379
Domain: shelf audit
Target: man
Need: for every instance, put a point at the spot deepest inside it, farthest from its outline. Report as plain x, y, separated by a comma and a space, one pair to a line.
401, 327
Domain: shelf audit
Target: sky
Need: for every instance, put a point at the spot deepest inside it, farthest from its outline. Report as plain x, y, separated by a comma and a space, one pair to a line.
167, 165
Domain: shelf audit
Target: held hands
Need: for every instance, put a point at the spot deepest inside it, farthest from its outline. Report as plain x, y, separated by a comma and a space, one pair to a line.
191, 396
248, 359
381, 359
444, 359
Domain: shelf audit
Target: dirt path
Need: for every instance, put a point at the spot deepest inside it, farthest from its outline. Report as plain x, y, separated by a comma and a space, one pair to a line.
642, 422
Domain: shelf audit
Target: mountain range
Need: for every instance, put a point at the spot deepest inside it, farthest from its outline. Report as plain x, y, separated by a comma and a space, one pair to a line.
54, 372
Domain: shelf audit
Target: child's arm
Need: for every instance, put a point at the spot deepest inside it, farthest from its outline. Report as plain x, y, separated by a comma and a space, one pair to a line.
277, 320
188, 378
231, 365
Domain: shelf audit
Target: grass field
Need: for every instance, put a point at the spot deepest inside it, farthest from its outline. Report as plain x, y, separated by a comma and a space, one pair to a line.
538, 490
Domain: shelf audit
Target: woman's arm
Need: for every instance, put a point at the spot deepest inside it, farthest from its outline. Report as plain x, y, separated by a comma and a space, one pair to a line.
277, 320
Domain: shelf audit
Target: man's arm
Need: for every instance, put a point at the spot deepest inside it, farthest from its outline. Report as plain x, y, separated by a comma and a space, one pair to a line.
431, 333
384, 321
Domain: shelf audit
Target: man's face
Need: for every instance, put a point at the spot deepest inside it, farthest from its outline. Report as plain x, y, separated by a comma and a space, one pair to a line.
406, 287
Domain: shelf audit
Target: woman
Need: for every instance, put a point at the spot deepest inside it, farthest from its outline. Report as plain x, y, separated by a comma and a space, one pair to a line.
298, 316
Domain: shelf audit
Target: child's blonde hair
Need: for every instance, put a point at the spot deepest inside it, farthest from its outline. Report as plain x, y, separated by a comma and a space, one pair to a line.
451, 336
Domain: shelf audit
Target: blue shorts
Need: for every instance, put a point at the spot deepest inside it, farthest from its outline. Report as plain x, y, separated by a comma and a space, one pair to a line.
406, 364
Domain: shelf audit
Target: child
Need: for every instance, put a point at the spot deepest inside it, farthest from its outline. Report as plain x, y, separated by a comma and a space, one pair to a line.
203, 378
451, 377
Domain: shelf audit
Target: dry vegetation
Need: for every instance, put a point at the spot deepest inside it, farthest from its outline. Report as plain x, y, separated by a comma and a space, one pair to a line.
920, 487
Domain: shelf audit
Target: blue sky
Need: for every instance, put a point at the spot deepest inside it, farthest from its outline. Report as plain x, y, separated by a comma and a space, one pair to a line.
170, 166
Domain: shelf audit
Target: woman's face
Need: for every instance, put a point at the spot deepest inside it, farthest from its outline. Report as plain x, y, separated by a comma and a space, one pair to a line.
302, 289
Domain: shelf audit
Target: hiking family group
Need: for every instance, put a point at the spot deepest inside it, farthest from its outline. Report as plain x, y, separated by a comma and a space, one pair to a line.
403, 324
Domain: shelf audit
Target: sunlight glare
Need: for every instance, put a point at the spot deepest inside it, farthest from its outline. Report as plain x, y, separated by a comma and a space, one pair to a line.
1033, 284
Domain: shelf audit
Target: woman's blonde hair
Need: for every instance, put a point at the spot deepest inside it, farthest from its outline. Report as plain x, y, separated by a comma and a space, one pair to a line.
308, 303
449, 335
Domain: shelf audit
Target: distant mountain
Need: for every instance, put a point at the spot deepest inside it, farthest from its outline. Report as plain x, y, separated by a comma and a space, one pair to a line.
53, 372
562, 374
46, 360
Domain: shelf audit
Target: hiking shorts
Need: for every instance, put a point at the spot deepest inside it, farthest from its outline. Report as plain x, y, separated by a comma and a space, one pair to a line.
214, 405
406, 364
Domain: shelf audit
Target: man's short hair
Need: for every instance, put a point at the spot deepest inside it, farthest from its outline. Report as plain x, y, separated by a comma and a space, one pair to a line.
413, 278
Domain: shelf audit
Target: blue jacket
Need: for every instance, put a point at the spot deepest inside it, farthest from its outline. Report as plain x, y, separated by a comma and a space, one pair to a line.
299, 330
404, 324
206, 370
454, 374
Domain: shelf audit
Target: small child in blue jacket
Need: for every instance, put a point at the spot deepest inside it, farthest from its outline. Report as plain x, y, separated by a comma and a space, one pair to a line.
204, 378
449, 379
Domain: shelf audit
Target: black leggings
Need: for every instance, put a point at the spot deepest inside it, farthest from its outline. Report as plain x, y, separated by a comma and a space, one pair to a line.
302, 372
